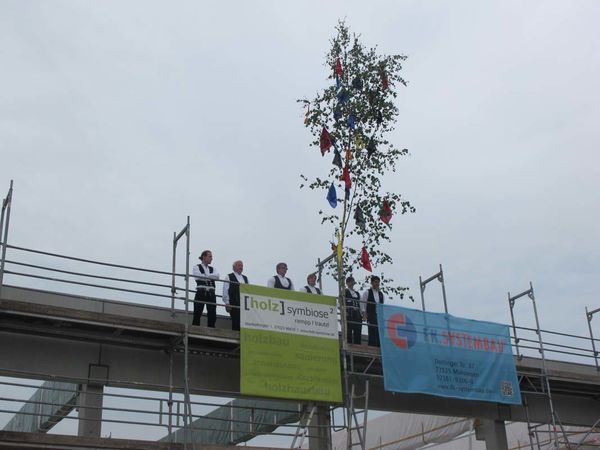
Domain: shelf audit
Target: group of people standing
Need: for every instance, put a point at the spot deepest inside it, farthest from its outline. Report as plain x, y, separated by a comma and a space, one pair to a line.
359, 308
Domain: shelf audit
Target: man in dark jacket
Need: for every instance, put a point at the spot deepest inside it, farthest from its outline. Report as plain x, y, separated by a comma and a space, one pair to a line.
370, 298
353, 315
231, 293
280, 281
205, 275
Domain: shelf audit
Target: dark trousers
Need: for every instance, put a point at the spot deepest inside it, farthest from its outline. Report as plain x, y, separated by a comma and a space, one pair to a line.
353, 330
235, 317
373, 330
203, 295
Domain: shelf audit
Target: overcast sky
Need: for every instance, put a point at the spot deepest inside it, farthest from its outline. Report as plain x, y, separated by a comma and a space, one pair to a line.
119, 119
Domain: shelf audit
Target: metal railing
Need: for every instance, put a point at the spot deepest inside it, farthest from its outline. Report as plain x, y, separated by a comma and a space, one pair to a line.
154, 288
149, 415
575, 348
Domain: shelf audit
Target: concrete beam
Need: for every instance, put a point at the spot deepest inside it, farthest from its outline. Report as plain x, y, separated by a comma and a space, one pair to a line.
62, 359
90, 410
45, 358
319, 432
140, 360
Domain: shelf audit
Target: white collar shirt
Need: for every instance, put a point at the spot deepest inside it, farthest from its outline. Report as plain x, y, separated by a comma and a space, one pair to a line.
313, 289
283, 280
240, 278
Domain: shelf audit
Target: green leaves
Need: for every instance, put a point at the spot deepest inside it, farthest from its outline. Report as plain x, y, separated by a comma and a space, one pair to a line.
367, 90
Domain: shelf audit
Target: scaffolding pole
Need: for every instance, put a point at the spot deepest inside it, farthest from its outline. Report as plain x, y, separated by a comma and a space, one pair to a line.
187, 405
346, 354
529, 293
170, 401
6, 203
320, 265
361, 430
529, 434
589, 315
423, 284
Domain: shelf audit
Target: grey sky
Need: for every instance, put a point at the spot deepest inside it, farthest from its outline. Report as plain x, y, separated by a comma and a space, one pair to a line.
119, 119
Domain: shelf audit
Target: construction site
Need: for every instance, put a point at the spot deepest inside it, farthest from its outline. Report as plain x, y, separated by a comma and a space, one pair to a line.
430, 168
87, 371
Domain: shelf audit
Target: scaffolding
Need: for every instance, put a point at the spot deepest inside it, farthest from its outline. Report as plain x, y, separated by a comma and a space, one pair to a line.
6, 203
423, 284
355, 418
187, 406
360, 364
358, 418
589, 315
177, 412
545, 385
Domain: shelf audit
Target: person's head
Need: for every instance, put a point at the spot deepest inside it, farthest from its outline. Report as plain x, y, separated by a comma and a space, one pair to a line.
350, 282
375, 282
238, 266
281, 269
206, 257
311, 279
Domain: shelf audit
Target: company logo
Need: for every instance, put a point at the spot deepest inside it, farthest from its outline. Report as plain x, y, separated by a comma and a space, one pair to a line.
401, 331
277, 306
264, 304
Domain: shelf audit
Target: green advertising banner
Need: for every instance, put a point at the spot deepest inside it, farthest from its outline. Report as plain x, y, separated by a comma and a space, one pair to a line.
289, 345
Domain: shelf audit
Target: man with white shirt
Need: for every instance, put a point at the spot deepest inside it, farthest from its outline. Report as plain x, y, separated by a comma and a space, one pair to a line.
231, 293
205, 276
370, 298
280, 281
311, 287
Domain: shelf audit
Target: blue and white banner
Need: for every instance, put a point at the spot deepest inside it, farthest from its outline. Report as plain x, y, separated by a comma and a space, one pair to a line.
438, 354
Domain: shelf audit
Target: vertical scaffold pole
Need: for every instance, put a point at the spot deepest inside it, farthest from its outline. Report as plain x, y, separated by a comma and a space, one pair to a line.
187, 400
320, 265
511, 304
365, 417
423, 284
349, 410
170, 401
441, 280
342, 303
173, 266
545, 382
6, 204
529, 429
320, 274
531, 295
187, 407
422, 291
345, 353
589, 315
